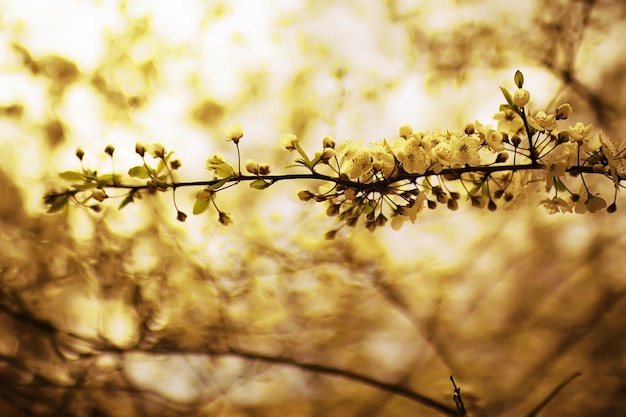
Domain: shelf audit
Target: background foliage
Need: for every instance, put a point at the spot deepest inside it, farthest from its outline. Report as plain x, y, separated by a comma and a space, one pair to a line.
127, 313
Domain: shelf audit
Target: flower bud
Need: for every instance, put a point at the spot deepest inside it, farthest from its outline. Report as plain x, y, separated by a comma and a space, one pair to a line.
140, 149
328, 142
305, 195
563, 136
234, 132
225, 219
288, 141
204, 194
264, 168
478, 201
330, 235
405, 131
521, 97
333, 210
157, 150
99, 195
563, 111
502, 157
252, 166
328, 154
612, 208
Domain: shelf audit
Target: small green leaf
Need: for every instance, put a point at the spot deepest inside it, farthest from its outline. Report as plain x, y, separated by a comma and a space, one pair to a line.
474, 190
260, 184
139, 171
72, 176
519, 79
164, 161
85, 186
294, 165
59, 203
507, 96
344, 214
559, 185
108, 179
127, 200
218, 184
315, 161
485, 191
199, 206
221, 169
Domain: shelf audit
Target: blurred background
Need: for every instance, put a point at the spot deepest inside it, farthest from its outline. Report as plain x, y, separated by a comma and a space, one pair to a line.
129, 313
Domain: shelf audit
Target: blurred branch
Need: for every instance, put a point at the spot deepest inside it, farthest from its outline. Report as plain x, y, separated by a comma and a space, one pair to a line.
398, 390
535, 411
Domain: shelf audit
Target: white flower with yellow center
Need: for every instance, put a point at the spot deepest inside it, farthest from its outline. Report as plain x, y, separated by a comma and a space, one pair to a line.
466, 149
443, 153
509, 122
414, 158
580, 133
360, 165
382, 155
546, 121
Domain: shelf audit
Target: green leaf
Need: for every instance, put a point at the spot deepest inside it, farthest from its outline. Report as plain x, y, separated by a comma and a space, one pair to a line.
367, 209
474, 190
59, 203
139, 171
485, 190
126, 201
221, 169
507, 96
559, 185
200, 206
163, 161
260, 184
345, 214
85, 186
72, 176
305, 157
315, 161
299, 164
519, 79
218, 184
108, 179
